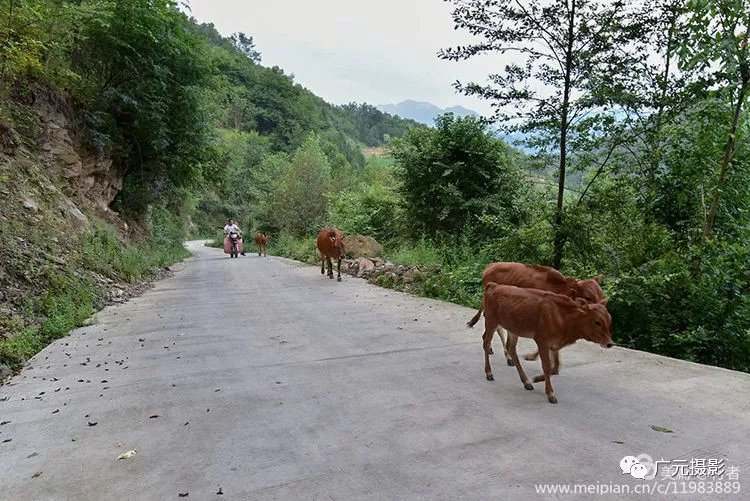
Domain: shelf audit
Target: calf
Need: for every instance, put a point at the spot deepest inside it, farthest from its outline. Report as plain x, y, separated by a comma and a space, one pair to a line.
261, 241
552, 320
331, 246
543, 278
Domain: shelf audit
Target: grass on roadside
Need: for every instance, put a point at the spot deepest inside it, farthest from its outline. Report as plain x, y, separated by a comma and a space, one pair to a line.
62, 294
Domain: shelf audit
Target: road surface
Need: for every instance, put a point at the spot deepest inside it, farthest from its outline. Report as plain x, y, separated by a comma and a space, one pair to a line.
259, 377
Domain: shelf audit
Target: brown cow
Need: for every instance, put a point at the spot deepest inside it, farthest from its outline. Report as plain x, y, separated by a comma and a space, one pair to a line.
543, 278
552, 320
330, 245
261, 241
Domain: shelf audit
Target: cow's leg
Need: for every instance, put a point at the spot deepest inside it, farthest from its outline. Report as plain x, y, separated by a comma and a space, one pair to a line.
555, 362
330, 268
323, 267
339, 271
511, 347
487, 345
555, 367
544, 352
508, 360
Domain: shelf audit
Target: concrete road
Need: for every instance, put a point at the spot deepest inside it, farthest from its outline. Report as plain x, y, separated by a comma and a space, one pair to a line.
261, 378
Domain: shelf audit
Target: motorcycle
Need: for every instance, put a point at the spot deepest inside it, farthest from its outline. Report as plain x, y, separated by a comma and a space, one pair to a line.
233, 245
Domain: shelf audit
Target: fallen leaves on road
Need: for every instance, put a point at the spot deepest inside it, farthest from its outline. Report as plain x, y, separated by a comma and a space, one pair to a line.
183, 494
661, 429
93, 423
617, 442
126, 455
33, 454
154, 416
37, 474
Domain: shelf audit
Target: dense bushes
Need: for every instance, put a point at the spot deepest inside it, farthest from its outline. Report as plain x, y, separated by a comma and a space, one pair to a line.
368, 209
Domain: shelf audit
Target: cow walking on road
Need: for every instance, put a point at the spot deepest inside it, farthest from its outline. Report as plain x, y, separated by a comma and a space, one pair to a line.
261, 241
542, 278
552, 320
330, 244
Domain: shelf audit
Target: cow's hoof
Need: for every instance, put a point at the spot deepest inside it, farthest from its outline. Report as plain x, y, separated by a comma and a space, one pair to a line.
492, 352
338, 279
510, 362
330, 276
490, 377
528, 386
552, 399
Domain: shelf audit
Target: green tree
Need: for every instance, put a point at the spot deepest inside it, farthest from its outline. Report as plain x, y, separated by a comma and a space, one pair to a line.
719, 45
454, 173
246, 45
300, 200
561, 47
369, 209
143, 72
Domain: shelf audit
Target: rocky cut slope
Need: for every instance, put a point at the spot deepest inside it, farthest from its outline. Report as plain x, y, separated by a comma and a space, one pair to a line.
60, 244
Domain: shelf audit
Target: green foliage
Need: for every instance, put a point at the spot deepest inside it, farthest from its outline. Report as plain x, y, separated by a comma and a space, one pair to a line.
371, 126
17, 349
660, 307
143, 72
423, 252
299, 204
453, 174
102, 252
300, 249
70, 300
369, 209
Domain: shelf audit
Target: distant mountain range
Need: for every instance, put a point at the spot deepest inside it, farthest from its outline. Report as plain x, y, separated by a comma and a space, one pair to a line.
423, 112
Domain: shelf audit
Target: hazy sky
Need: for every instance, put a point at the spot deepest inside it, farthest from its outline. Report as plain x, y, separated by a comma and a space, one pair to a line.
354, 50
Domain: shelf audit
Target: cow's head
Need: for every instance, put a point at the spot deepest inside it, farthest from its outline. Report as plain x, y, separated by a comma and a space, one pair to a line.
597, 323
588, 290
338, 243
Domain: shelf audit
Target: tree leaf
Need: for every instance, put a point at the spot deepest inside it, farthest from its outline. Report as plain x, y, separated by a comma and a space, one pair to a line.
661, 429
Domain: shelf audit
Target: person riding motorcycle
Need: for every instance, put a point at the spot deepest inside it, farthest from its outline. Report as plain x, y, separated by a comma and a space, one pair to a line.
232, 228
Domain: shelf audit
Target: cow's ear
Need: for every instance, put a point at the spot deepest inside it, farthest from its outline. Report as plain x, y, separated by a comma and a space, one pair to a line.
604, 301
598, 277
573, 293
581, 302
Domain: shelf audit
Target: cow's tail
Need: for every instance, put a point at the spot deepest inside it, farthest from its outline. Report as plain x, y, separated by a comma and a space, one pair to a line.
471, 323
